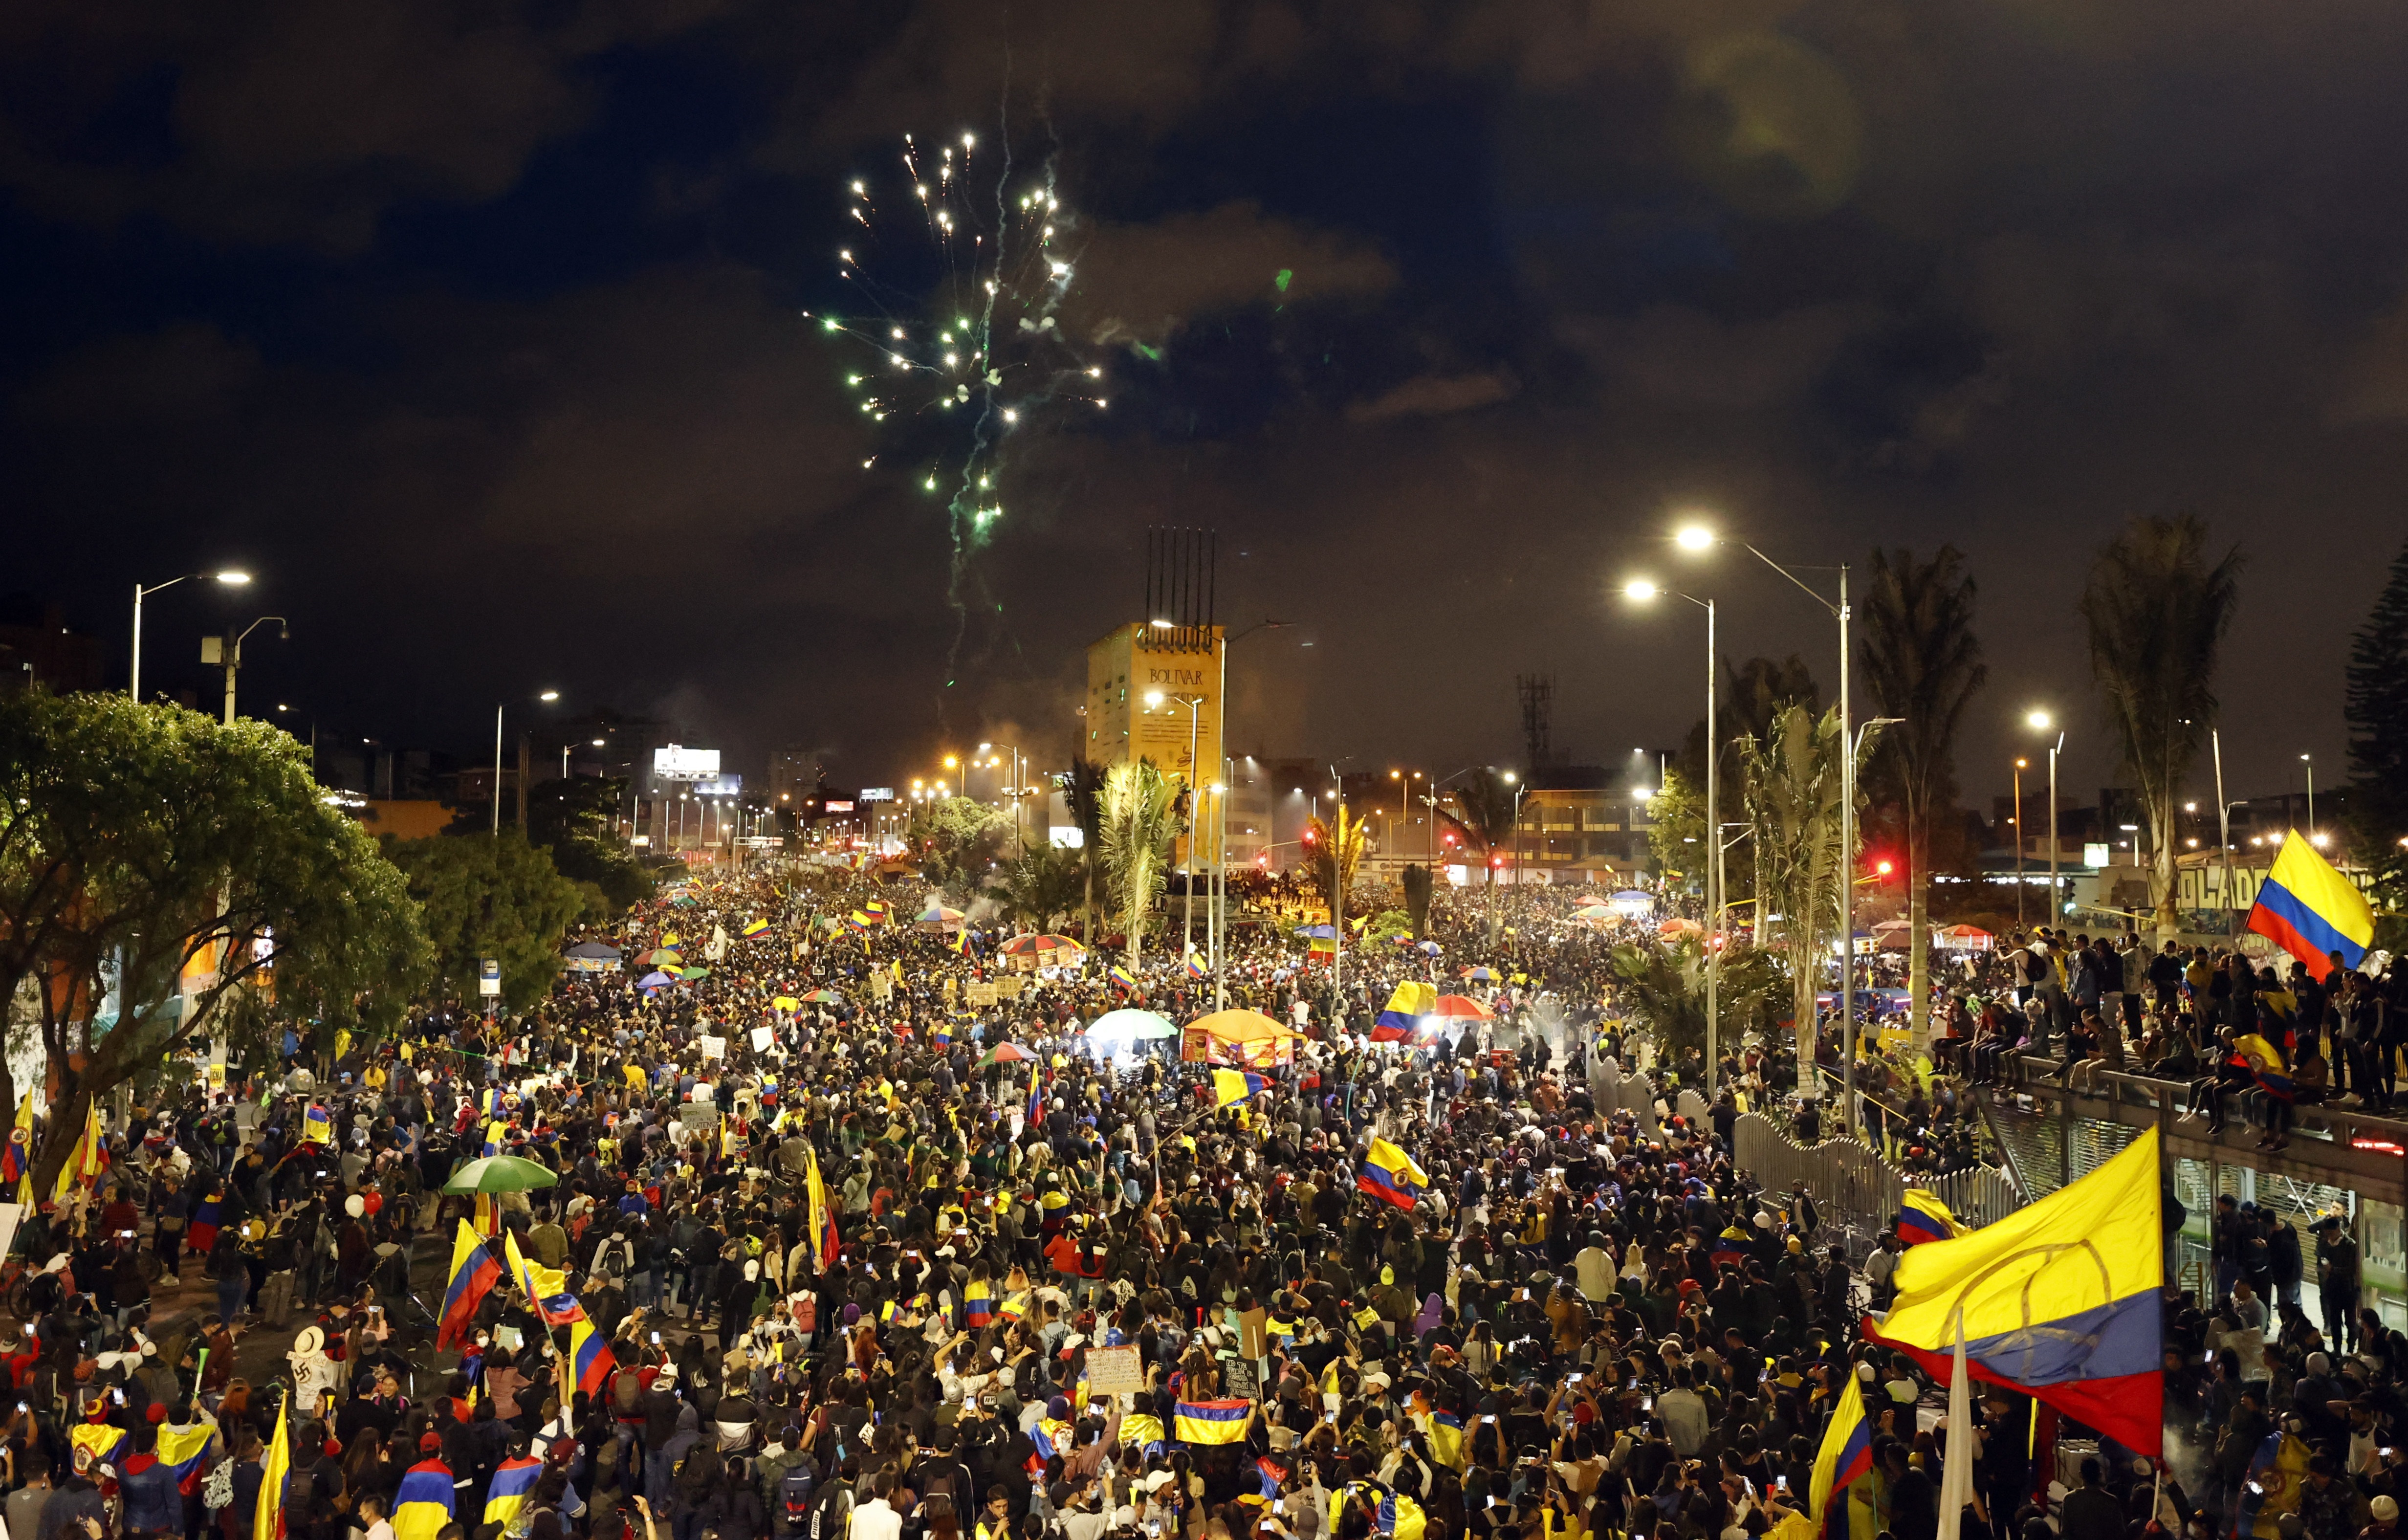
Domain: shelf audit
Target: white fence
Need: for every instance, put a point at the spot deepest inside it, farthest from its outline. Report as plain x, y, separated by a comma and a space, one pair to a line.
1856, 1189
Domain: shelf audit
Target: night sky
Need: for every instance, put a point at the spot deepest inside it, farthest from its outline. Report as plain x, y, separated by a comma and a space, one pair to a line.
476, 331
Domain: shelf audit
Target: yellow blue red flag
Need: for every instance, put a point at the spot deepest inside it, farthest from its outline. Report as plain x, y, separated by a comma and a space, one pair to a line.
1847, 1452
1922, 1217
1412, 1000
1390, 1176
2059, 1300
1213, 1421
2311, 911
1230, 1086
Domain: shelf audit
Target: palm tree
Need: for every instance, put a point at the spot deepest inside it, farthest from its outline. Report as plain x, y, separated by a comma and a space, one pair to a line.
1337, 855
1082, 787
1923, 664
1483, 815
1044, 881
1137, 820
1664, 985
1793, 786
2157, 612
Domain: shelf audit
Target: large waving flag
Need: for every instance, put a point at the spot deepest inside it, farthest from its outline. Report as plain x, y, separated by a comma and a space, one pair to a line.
1122, 977
1922, 1217
423, 1504
2059, 1300
1405, 1009
590, 1359
2310, 911
978, 1304
1213, 1421
317, 1126
546, 1287
823, 1234
1230, 1086
1846, 1455
2277, 1471
474, 1272
513, 1483
1390, 1176
267, 1519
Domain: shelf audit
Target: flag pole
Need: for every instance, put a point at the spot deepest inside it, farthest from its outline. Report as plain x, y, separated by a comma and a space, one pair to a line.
1957, 1463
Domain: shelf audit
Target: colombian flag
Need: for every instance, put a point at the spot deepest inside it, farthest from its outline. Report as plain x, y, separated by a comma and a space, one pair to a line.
183, 1450
1195, 969
268, 1518
978, 1304
823, 1232
2265, 1061
961, 941
93, 1443
1446, 1439
2309, 909
1390, 1176
1922, 1217
201, 1232
593, 1361
1230, 1086
2059, 1300
859, 921
1213, 1421
513, 1483
423, 1504
1847, 1452
755, 927
1122, 976
317, 1126
1732, 1247
473, 1275
1399, 1518
1142, 1433
1412, 1001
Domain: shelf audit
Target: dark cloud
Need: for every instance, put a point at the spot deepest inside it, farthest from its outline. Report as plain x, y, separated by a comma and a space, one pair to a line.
1140, 283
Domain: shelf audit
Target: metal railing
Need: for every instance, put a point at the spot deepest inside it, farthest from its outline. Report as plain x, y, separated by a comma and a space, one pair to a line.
1856, 1190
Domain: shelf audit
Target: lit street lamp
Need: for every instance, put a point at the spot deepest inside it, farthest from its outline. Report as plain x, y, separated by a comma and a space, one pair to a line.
231, 578
547, 697
2042, 721
1645, 592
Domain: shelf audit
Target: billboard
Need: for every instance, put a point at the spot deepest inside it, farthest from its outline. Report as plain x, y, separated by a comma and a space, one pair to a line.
674, 762
877, 794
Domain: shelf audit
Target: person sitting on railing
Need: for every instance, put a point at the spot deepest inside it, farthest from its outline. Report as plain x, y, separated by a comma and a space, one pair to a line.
2207, 1092
2081, 1043
2091, 1037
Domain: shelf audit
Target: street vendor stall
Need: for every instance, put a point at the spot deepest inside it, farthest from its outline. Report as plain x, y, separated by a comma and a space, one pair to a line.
1237, 1038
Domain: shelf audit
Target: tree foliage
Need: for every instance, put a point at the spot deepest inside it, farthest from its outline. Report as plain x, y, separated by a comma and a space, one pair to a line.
2377, 712
1794, 791
576, 819
1082, 792
492, 897
2157, 612
1040, 884
1334, 855
188, 862
1482, 815
1923, 665
1416, 883
1676, 839
1664, 985
1138, 820
956, 839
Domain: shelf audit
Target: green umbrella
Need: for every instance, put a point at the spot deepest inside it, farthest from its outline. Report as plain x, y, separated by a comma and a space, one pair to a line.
1005, 1053
500, 1173
689, 974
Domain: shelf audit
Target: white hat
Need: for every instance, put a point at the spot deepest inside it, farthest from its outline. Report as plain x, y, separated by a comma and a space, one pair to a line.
310, 1340
668, 1374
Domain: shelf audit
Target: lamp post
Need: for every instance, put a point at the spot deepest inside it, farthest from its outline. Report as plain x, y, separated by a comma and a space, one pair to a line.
547, 697
2042, 721
2223, 825
2310, 763
1195, 794
230, 577
1015, 790
1697, 538
1221, 851
2021, 763
228, 651
1645, 592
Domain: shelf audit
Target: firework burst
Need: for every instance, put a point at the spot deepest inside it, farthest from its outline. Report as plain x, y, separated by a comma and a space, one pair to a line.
954, 344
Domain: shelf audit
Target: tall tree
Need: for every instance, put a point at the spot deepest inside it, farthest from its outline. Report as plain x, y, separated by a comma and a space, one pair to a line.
2157, 610
1923, 664
1483, 812
1082, 789
153, 853
1042, 881
492, 895
1337, 855
1794, 792
1139, 821
2377, 712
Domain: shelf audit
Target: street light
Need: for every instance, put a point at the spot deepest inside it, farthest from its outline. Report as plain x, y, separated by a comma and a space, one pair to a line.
1643, 591
230, 577
1016, 790
1699, 538
2042, 721
1217, 918
228, 651
2310, 762
547, 697
2021, 765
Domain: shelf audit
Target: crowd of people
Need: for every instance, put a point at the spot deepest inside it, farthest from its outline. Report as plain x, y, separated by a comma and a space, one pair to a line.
849, 1254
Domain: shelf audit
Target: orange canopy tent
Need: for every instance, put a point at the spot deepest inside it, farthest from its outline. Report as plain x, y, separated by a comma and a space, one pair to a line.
1236, 1037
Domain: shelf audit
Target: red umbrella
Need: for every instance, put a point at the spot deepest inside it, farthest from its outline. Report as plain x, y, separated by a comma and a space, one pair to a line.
1462, 1007
1005, 1053
1022, 946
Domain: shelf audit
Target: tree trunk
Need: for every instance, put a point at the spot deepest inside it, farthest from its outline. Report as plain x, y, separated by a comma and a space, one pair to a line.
2161, 880
1492, 896
1918, 932
1803, 969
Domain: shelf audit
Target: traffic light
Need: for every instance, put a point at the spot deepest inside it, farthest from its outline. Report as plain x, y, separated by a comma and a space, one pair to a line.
1883, 868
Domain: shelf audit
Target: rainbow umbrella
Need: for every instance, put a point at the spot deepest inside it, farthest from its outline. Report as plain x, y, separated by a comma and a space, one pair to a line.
1005, 1053
1461, 1008
822, 997
1025, 945
1482, 975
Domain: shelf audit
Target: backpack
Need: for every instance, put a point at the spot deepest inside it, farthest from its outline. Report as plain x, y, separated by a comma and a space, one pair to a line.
794, 1494
832, 1515
626, 1391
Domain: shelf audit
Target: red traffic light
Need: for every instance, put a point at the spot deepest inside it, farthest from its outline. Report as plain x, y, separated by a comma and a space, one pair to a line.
1883, 867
